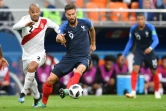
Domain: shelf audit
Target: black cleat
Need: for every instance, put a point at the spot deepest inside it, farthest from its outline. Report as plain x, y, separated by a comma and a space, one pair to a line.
62, 93
37, 100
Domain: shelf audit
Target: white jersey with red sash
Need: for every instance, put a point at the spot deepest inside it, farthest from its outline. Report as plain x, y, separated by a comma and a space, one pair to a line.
33, 37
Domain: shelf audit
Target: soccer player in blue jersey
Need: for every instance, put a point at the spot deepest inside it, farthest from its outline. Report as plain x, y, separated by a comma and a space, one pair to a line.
144, 35
74, 34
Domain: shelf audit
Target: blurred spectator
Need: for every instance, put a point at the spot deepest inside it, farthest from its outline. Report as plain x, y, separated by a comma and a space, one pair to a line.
162, 16
105, 75
149, 16
54, 16
159, 3
162, 72
4, 81
6, 18
95, 59
80, 14
120, 67
88, 80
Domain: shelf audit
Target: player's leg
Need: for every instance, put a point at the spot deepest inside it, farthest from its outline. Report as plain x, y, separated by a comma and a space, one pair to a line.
74, 80
32, 66
47, 89
151, 62
134, 78
35, 92
82, 65
138, 59
41, 58
62, 68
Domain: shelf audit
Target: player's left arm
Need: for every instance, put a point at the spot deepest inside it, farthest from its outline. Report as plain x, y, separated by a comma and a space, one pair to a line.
52, 25
155, 40
92, 34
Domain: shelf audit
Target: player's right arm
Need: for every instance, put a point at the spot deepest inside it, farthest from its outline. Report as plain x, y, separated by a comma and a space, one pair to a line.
22, 23
129, 43
61, 34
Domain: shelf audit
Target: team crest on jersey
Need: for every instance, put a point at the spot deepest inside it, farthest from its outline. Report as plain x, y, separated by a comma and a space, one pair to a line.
147, 33
83, 27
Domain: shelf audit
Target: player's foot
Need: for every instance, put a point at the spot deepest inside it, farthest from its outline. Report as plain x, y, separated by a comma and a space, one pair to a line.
130, 95
40, 105
37, 100
157, 95
21, 99
63, 92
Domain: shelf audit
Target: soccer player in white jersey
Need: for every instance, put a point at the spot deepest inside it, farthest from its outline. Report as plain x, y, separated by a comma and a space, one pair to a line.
33, 31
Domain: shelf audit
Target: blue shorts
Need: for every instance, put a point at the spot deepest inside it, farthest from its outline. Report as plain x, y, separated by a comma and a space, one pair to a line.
67, 64
150, 60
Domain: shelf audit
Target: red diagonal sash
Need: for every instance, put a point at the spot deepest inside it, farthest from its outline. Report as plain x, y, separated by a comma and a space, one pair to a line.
34, 32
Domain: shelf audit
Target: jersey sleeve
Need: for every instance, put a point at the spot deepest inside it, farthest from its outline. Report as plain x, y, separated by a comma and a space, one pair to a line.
154, 37
62, 28
88, 22
21, 24
51, 24
129, 43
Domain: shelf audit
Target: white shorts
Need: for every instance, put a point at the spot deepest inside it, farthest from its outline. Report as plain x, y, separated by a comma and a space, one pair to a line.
40, 58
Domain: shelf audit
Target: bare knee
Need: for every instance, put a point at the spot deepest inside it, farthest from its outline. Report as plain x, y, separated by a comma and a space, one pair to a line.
81, 69
136, 68
32, 66
52, 79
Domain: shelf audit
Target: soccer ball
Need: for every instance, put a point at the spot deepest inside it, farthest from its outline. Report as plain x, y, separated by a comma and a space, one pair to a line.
75, 91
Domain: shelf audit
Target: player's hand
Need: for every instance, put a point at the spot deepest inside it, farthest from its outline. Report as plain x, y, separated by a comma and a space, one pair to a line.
29, 24
92, 48
61, 39
3, 63
147, 51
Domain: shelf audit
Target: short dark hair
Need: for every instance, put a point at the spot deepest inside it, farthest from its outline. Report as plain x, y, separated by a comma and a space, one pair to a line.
109, 58
118, 55
140, 14
69, 7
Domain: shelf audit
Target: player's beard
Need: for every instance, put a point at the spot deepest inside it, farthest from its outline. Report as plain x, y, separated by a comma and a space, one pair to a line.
35, 19
72, 21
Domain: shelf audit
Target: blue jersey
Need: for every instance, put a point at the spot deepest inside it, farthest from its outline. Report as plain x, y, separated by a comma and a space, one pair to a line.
142, 39
77, 38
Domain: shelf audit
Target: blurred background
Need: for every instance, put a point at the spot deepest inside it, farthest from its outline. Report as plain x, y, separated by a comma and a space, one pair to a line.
112, 20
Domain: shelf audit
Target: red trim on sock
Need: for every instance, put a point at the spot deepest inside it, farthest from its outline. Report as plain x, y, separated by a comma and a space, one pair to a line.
74, 80
156, 82
47, 90
134, 80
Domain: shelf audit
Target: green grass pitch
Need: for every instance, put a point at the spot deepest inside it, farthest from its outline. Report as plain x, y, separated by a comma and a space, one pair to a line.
88, 103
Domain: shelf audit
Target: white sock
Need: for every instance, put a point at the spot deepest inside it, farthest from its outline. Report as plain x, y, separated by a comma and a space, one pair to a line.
99, 92
161, 91
28, 81
133, 92
34, 89
85, 91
